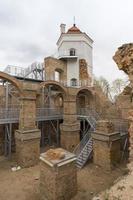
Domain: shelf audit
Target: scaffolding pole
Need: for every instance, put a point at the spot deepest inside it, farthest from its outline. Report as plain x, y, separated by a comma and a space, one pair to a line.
8, 140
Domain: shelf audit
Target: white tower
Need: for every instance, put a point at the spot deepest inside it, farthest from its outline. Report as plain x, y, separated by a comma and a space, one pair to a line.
73, 46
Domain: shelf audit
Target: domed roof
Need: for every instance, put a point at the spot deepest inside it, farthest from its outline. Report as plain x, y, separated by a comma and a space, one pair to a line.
74, 29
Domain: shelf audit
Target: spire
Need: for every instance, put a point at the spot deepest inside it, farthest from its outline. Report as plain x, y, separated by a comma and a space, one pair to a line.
74, 24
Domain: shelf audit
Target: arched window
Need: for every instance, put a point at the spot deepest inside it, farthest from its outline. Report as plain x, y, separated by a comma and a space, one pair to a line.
72, 52
58, 75
73, 82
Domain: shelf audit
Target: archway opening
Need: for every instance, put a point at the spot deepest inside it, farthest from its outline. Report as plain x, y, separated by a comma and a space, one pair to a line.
10, 90
85, 100
85, 104
52, 113
59, 73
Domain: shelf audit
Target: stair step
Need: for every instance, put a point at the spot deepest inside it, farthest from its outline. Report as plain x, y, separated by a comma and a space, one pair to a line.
87, 151
89, 148
80, 164
84, 155
83, 158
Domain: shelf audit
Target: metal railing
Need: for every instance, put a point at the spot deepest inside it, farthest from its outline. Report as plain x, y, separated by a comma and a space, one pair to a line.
120, 125
79, 83
34, 71
49, 113
88, 112
66, 53
11, 115
82, 144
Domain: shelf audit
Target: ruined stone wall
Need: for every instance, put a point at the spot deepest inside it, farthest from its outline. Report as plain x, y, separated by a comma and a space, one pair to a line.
106, 145
105, 156
83, 71
102, 103
51, 65
124, 60
58, 183
124, 102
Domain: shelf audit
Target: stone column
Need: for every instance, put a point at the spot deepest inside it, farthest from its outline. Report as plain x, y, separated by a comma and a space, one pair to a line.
58, 176
70, 129
28, 136
106, 145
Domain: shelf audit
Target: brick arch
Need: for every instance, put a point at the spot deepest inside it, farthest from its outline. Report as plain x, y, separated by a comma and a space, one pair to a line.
85, 98
57, 100
12, 80
87, 89
54, 83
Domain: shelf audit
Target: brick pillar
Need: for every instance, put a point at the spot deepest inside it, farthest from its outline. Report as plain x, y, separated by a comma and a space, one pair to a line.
106, 145
70, 128
28, 136
58, 175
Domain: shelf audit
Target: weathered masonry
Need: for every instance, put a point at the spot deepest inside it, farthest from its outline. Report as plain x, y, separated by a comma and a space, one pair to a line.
54, 103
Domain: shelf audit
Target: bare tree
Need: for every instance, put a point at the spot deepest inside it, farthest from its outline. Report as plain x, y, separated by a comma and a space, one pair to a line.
103, 84
118, 86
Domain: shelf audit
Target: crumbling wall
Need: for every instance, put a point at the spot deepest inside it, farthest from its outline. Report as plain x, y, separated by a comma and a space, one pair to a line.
103, 104
124, 102
124, 60
51, 65
83, 71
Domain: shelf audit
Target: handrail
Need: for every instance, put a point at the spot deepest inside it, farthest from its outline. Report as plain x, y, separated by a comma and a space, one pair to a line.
11, 114
89, 111
82, 144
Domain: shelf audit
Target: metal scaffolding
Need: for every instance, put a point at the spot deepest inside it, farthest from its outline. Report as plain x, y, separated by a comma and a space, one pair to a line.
9, 115
34, 71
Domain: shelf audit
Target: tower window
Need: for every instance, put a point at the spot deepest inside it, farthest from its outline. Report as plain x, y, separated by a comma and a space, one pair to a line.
72, 52
73, 82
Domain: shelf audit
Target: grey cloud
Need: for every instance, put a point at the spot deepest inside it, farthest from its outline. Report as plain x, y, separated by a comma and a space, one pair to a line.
10, 15
25, 53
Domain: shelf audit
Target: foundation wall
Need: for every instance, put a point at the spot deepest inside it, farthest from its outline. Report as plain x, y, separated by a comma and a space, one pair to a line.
27, 148
58, 178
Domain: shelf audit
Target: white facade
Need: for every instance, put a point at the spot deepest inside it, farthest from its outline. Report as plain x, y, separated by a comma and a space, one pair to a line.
83, 50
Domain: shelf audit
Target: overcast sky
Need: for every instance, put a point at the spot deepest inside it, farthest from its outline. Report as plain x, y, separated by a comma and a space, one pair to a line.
29, 29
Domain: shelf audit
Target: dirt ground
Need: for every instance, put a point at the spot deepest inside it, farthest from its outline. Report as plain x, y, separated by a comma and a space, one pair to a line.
24, 184
121, 190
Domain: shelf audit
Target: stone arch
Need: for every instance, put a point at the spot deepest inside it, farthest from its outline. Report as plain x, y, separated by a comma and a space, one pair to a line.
89, 89
85, 98
54, 64
60, 73
55, 84
58, 100
12, 80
